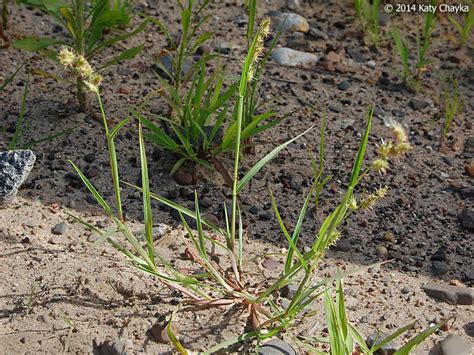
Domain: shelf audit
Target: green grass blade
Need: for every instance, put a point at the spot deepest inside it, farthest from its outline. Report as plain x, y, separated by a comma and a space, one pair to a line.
261, 163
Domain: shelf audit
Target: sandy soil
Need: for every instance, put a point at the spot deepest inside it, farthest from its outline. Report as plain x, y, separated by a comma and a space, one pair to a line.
59, 294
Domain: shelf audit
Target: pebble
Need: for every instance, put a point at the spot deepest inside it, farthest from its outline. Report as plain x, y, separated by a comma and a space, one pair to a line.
293, 4
467, 218
266, 216
15, 166
183, 177
270, 264
289, 291
454, 345
343, 245
118, 346
389, 237
55, 240
439, 267
227, 47
469, 169
417, 105
344, 85
371, 64
388, 349
318, 34
450, 294
60, 228
290, 22
276, 347
89, 158
292, 58
160, 332
381, 251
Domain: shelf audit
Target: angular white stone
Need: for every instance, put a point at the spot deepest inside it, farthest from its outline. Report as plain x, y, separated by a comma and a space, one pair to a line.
292, 58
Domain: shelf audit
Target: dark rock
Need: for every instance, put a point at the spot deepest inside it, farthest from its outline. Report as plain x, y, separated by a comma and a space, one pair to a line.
417, 104
253, 210
387, 349
60, 228
398, 113
266, 216
314, 33
343, 245
89, 158
450, 294
183, 177
384, 81
289, 291
344, 85
467, 218
15, 167
276, 347
454, 345
439, 267
439, 255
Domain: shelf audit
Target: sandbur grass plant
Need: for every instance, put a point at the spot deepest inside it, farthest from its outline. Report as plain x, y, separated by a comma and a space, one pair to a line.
423, 43
452, 104
227, 282
367, 12
181, 48
203, 121
465, 26
85, 22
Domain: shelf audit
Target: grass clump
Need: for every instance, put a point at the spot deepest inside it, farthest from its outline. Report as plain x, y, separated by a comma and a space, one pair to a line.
452, 104
233, 286
464, 28
85, 22
368, 14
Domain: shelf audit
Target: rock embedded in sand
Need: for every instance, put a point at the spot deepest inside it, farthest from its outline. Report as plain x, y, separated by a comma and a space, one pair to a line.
467, 218
377, 337
15, 166
160, 331
292, 58
450, 294
469, 169
454, 345
60, 228
290, 22
418, 105
276, 347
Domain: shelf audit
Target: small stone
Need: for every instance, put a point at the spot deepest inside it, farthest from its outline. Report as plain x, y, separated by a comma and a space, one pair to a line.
417, 105
92, 238
89, 158
270, 264
227, 47
160, 332
318, 34
293, 4
60, 228
405, 290
389, 237
289, 291
343, 245
454, 345
450, 294
276, 347
292, 58
159, 230
290, 22
183, 177
344, 85
55, 240
467, 218
439, 255
210, 218
15, 166
266, 216
381, 251
371, 64
253, 210
388, 349
439, 267
469, 169
123, 90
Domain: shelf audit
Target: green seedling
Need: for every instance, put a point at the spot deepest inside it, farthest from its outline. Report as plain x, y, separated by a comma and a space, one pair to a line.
422, 44
85, 22
452, 105
401, 46
464, 28
368, 14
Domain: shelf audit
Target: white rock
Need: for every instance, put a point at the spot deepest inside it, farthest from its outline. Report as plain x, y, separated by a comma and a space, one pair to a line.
290, 22
291, 58
293, 4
